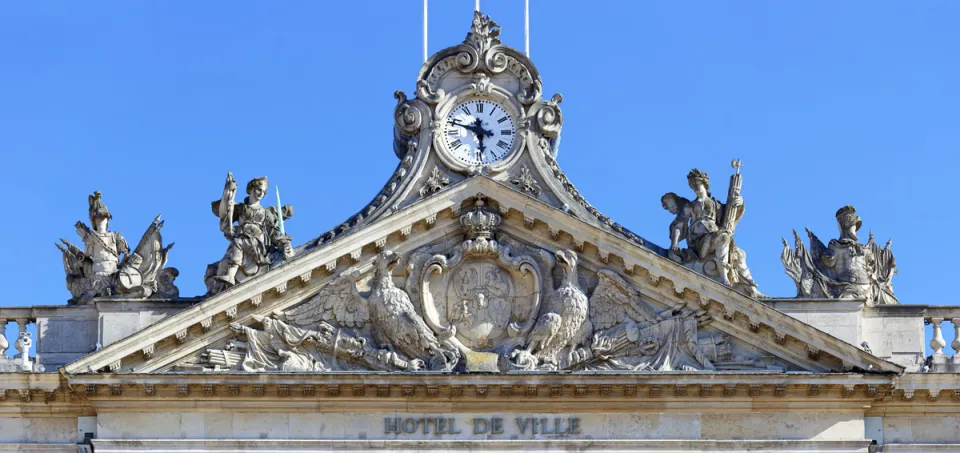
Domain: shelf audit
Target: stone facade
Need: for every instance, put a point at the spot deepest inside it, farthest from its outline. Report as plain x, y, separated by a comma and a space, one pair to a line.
480, 302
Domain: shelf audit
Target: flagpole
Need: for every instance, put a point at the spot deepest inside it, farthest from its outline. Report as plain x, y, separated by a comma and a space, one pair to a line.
477, 8
424, 31
526, 26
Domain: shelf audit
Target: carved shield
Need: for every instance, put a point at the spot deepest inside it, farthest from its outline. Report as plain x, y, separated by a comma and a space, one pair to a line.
484, 301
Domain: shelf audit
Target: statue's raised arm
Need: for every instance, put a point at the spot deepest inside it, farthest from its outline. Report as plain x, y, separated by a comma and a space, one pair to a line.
226, 205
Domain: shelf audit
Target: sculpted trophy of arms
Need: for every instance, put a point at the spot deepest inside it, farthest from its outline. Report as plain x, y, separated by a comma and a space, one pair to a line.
844, 269
106, 267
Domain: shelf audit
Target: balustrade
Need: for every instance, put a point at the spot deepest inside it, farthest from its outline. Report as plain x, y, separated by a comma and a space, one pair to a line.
22, 341
943, 360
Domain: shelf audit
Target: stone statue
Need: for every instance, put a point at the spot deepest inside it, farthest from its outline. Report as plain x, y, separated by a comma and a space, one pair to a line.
844, 269
105, 266
563, 327
256, 234
708, 225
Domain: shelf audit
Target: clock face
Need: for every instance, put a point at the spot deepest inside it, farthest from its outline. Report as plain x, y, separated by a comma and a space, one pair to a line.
479, 132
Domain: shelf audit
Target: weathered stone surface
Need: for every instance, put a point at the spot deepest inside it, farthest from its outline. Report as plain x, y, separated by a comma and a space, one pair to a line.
922, 430
844, 269
107, 267
707, 226
585, 327
781, 425
256, 235
38, 429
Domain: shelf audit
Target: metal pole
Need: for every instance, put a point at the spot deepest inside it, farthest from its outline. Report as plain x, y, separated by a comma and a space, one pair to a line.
477, 8
424, 31
526, 27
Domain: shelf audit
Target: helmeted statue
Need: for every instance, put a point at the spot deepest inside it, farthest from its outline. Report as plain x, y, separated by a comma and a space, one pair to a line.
256, 235
105, 267
708, 225
844, 269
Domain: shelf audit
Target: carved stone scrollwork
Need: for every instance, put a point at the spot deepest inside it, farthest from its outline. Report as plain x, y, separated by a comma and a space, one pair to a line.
549, 117
409, 119
480, 52
410, 116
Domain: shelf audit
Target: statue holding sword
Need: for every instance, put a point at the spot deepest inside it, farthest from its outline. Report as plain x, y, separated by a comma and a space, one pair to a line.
256, 234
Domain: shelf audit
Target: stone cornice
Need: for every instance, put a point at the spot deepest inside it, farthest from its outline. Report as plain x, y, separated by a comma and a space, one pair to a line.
460, 393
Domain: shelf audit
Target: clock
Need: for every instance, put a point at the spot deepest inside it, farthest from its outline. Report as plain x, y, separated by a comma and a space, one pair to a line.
478, 132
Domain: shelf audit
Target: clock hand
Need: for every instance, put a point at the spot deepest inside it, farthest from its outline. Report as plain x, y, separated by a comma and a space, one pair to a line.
480, 133
472, 127
480, 149
478, 124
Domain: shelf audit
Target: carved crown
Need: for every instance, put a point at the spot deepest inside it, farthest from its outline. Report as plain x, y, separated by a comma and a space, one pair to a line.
479, 222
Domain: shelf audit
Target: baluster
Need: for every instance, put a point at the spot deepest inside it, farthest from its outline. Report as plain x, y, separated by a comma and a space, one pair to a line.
937, 343
4, 344
956, 336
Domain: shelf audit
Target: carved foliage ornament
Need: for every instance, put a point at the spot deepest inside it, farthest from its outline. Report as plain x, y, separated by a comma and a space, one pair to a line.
525, 181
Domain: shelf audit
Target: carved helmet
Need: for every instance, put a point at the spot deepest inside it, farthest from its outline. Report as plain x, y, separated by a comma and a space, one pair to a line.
97, 208
847, 216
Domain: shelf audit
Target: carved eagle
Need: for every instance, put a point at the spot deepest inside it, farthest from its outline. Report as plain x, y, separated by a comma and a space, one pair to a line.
563, 325
395, 324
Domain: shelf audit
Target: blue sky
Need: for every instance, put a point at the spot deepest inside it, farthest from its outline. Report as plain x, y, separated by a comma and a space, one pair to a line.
827, 103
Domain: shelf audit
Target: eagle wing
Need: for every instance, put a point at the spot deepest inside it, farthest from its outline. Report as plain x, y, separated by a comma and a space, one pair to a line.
338, 301
614, 300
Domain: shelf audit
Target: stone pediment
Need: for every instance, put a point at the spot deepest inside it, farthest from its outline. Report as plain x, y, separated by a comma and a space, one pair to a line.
638, 302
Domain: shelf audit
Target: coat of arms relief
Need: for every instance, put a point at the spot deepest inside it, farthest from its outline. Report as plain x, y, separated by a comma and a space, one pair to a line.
484, 302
